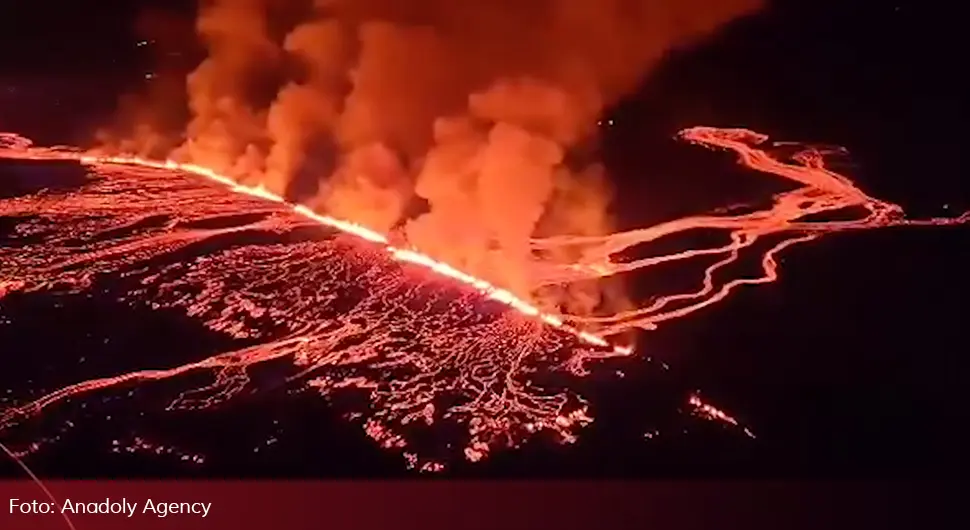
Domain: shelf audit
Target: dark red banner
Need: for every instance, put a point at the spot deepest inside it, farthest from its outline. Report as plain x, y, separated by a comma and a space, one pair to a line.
242, 505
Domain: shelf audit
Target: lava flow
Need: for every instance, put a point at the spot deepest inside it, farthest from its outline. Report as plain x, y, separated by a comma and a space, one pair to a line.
250, 265
346, 318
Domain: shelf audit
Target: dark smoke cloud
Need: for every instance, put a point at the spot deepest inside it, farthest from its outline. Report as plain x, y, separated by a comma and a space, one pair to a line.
470, 108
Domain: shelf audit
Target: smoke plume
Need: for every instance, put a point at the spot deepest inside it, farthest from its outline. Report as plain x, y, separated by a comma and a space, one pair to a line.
447, 122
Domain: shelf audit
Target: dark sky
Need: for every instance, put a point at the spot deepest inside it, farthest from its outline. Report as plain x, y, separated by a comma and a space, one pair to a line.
57, 33
47, 35
76, 37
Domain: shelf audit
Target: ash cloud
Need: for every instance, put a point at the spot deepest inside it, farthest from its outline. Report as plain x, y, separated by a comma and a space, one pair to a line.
448, 122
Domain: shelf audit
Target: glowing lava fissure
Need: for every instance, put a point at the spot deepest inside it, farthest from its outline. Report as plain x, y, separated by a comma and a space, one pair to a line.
345, 316
388, 346
402, 254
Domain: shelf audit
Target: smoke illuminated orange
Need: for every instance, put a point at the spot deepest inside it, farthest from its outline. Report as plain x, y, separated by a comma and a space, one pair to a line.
401, 254
488, 361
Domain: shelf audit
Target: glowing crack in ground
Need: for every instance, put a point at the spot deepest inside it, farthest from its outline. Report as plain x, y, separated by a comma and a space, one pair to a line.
344, 317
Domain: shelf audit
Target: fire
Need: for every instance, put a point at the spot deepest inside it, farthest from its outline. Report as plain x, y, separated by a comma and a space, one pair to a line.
467, 367
408, 255
400, 254
712, 413
486, 359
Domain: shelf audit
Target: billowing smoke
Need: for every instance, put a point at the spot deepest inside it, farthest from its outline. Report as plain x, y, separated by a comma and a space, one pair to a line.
448, 122
228, 124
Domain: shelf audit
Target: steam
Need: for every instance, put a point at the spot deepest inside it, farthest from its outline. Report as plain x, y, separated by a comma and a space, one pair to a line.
447, 121
227, 127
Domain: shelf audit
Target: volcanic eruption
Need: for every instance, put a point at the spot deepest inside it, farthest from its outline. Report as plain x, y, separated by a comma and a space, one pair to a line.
463, 128
453, 139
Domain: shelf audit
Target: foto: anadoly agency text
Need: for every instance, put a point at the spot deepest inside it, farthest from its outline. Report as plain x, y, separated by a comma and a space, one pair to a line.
109, 506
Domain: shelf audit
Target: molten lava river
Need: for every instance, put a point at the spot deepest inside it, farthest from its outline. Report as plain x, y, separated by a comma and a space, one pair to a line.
432, 363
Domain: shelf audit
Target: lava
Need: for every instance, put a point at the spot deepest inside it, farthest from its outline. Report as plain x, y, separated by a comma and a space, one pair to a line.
345, 317
402, 254
822, 191
348, 313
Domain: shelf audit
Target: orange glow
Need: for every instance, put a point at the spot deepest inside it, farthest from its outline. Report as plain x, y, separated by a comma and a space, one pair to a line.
489, 364
405, 255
